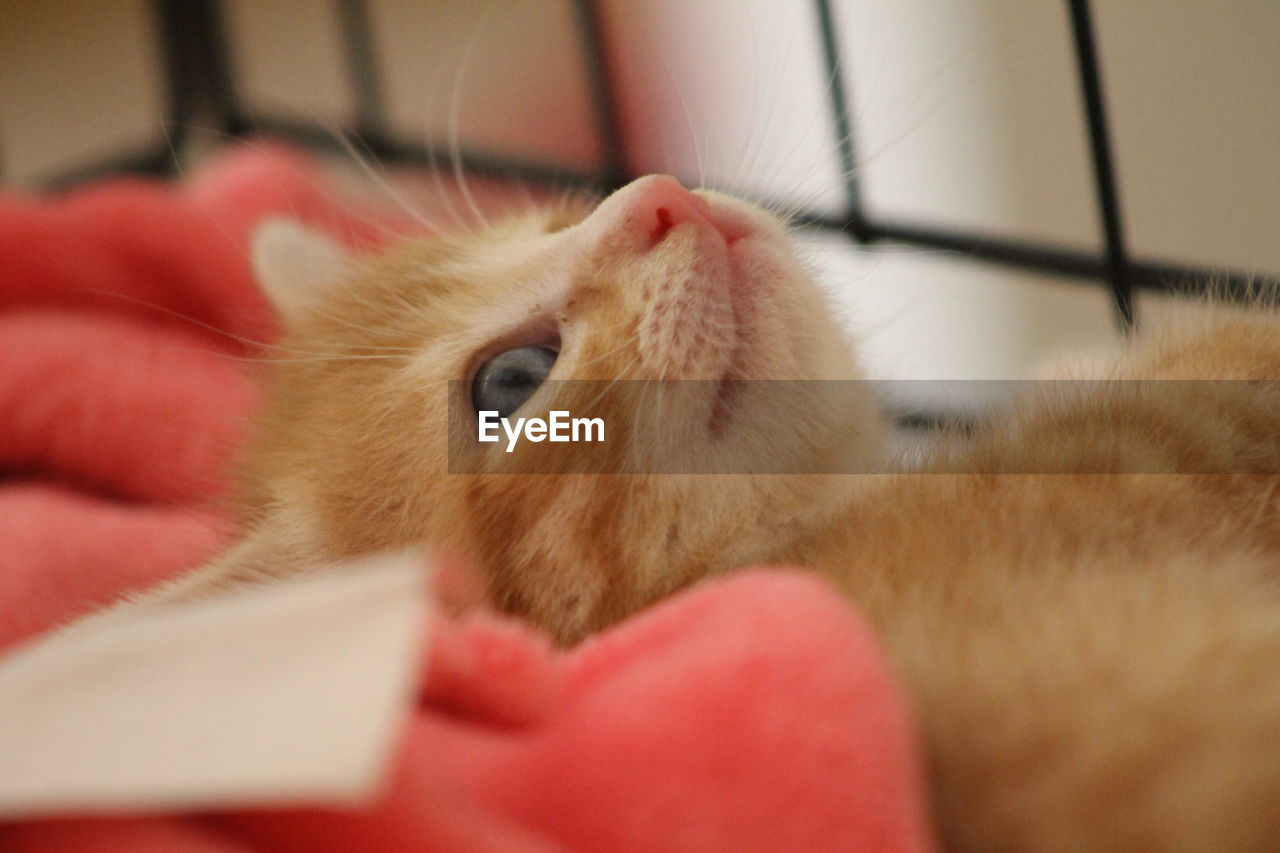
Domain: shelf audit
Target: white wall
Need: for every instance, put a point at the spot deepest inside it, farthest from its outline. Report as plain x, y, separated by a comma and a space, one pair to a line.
967, 116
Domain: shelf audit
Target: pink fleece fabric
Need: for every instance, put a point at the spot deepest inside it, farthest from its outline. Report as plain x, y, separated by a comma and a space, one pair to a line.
749, 713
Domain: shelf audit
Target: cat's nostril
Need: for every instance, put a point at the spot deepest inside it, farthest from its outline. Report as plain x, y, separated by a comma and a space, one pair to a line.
664, 225
649, 210
659, 204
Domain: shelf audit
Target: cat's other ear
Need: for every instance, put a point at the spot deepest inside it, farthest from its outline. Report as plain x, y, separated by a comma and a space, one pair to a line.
295, 265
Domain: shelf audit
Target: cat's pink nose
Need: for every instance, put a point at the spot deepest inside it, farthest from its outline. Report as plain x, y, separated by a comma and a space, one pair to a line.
658, 203
654, 205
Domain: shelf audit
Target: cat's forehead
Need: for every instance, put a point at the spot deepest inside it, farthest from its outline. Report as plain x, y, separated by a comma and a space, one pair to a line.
506, 253
470, 284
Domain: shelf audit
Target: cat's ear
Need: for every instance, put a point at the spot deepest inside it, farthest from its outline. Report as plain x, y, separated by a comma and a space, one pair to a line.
295, 265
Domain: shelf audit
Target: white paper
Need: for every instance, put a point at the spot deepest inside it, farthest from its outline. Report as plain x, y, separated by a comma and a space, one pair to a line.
290, 692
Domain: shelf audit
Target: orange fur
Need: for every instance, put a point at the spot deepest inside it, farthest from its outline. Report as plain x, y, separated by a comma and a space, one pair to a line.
1095, 658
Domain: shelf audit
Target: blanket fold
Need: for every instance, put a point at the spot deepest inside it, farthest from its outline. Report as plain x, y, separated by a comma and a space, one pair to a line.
753, 712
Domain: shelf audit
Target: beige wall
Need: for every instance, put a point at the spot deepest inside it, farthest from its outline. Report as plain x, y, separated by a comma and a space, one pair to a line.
78, 78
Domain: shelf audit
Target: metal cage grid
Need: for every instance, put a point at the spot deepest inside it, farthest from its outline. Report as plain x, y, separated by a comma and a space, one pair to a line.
200, 84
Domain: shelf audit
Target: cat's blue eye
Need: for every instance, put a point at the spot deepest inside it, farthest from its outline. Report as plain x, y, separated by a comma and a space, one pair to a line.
506, 381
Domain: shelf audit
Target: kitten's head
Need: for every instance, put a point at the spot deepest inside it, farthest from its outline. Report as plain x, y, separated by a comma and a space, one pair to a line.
655, 283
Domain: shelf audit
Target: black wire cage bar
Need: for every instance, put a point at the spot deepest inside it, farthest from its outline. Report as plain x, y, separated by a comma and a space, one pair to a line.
201, 87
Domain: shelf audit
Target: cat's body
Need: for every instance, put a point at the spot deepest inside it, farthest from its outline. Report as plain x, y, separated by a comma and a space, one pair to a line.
1094, 657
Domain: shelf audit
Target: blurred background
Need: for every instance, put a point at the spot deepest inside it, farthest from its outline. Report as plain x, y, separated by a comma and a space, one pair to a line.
968, 122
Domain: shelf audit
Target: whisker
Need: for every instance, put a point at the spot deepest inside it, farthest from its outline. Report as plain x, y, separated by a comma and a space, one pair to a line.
454, 101
738, 176
688, 119
203, 325
383, 184
608, 353
289, 360
433, 167
634, 361
753, 169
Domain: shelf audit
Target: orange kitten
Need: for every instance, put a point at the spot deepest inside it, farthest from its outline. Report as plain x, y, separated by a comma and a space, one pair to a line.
1095, 658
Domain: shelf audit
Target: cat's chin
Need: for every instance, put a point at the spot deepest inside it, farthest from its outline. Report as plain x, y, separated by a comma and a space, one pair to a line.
721, 407
763, 290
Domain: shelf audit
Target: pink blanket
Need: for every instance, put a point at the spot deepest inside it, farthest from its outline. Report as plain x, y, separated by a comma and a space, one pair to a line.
751, 713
